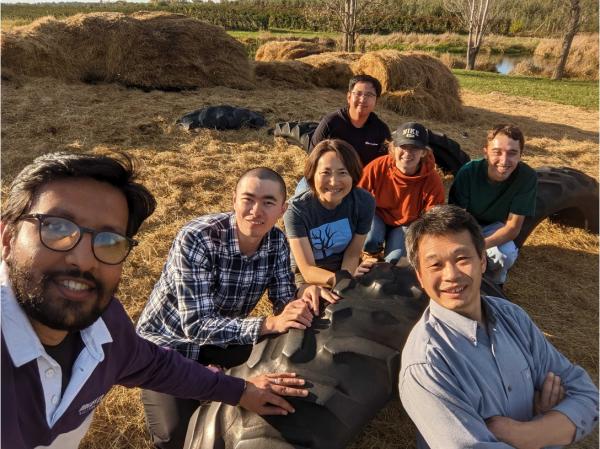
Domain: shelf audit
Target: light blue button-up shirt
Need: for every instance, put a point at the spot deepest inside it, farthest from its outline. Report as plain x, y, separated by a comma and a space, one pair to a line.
455, 374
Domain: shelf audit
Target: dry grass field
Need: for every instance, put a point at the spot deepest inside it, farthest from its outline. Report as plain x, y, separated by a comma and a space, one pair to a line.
555, 278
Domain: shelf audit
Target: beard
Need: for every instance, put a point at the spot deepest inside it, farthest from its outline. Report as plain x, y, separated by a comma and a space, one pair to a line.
57, 313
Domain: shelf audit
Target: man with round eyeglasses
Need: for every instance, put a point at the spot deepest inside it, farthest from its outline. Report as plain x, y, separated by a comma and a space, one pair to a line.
356, 123
67, 226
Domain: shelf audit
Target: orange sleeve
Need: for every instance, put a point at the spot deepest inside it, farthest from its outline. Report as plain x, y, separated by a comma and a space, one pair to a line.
367, 181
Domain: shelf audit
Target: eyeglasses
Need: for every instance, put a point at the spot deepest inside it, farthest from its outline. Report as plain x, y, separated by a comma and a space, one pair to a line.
60, 234
366, 95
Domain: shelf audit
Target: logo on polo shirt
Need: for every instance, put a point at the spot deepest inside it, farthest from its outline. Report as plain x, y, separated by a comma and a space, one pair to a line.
410, 133
86, 408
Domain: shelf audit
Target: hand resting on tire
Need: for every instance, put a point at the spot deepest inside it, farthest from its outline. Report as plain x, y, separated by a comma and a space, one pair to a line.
263, 393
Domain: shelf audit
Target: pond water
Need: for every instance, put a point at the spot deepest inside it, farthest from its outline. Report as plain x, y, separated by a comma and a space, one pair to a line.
506, 63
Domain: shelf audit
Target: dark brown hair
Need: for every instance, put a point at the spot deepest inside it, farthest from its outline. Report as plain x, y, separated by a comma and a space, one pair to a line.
117, 170
265, 174
510, 131
345, 152
365, 79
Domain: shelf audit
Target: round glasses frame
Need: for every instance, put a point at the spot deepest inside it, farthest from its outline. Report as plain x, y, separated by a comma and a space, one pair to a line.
40, 218
367, 95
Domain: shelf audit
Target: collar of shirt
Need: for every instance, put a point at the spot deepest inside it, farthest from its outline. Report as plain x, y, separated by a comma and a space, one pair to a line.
461, 324
21, 340
230, 236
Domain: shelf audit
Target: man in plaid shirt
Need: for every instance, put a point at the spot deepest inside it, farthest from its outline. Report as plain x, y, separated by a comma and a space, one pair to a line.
217, 269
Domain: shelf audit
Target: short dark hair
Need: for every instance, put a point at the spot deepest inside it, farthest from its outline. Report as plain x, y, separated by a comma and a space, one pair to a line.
345, 152
117, 170
442, 220
265, 174
365, 79
507, 130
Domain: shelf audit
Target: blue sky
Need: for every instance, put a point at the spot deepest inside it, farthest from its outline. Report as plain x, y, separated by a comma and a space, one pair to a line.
70, 1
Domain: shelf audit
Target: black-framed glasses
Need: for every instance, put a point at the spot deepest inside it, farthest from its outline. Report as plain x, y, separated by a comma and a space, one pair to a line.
366, 95
60, 234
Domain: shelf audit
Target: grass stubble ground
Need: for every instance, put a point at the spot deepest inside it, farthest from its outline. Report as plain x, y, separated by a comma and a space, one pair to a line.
555, 278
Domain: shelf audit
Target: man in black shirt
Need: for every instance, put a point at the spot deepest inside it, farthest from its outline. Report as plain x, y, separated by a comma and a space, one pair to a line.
356, 123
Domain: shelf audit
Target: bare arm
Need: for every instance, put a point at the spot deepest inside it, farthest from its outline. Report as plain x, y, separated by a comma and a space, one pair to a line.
506, 233
351, 261
305, 260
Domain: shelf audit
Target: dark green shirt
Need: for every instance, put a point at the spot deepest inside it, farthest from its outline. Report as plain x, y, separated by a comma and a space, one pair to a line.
489, 201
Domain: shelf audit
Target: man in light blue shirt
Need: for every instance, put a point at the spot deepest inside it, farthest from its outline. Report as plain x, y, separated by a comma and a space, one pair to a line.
476, 371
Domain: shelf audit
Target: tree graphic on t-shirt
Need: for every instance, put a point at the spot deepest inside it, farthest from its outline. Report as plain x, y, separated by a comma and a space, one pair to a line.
322, 239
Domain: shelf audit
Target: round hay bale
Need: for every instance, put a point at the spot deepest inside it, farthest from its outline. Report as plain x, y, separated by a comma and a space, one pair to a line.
414, 84
285, 73
403, 71
332, 69
147, 50
420, 103
285, 50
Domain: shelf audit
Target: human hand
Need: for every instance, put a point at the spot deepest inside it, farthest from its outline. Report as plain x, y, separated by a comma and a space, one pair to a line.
551, 395
215, 368
365, 266
263, 393
313, 293
296, 314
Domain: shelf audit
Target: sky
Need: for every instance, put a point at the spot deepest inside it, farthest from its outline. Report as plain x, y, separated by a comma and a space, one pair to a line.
70, 1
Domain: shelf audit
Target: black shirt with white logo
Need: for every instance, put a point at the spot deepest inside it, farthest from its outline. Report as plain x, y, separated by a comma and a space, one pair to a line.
368, 141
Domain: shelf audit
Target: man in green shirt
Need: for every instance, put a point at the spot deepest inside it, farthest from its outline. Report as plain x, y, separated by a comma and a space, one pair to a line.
499, 191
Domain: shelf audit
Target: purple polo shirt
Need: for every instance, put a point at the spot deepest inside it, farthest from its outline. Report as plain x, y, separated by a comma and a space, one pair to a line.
34, 413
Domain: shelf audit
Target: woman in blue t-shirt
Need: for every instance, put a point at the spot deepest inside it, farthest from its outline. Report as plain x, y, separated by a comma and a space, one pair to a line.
327, 224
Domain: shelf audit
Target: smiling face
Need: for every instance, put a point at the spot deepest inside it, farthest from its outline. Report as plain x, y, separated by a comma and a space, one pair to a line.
332, 180
503, 155
408, 157
450, 271
258, 204
361, 100
66, 290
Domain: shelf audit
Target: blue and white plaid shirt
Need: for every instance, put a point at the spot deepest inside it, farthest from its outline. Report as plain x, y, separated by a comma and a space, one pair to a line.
208, 287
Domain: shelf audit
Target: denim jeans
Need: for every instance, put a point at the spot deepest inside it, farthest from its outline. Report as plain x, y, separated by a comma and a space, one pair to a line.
500, 258
392, 236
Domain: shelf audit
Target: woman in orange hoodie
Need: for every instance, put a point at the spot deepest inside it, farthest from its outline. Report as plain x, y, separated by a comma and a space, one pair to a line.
404, 184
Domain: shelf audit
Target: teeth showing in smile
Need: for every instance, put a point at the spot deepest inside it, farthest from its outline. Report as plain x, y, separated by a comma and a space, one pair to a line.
256, 222
455, 290
74, 285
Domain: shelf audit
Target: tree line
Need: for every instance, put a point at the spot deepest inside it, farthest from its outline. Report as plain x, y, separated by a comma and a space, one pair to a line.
518, 17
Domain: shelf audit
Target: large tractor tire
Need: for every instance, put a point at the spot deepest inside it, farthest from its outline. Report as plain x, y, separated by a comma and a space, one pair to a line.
566, 196
296, 133
350, 358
